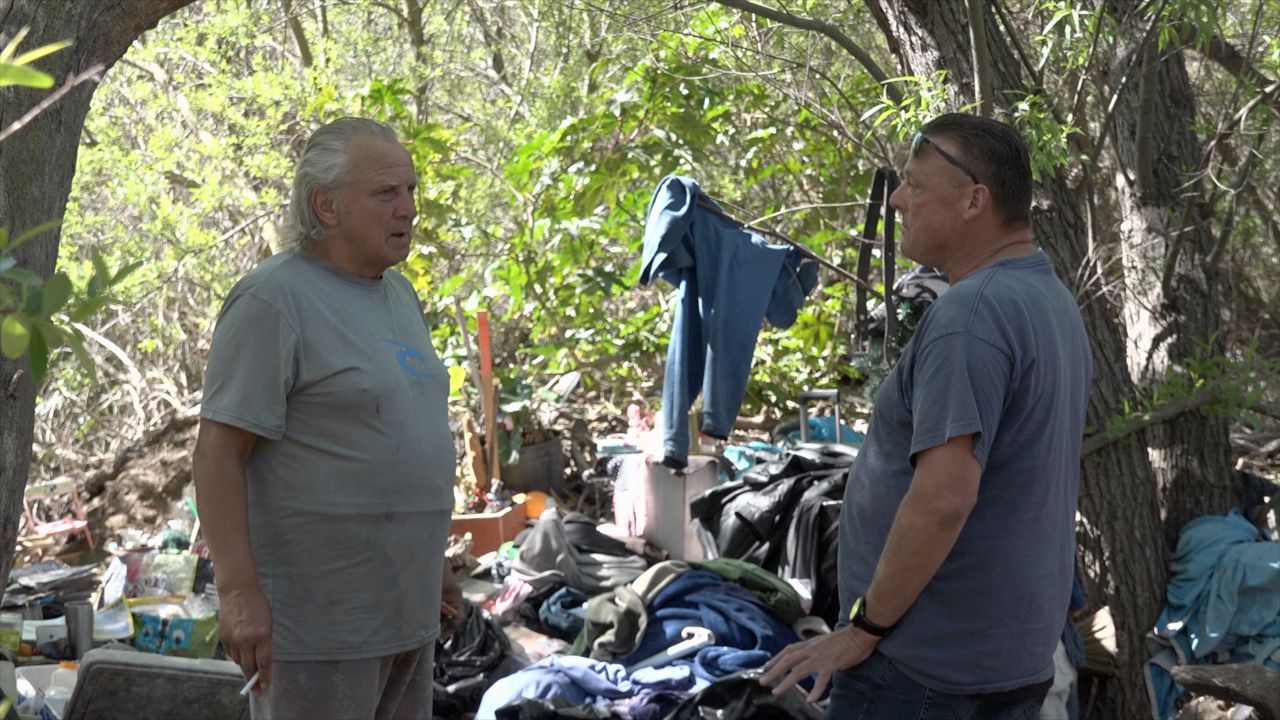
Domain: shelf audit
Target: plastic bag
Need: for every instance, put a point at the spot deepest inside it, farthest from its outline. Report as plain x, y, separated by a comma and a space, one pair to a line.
466, 664
742, 697
174, 625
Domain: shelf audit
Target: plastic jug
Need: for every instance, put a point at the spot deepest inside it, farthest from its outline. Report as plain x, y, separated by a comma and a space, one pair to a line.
61, 685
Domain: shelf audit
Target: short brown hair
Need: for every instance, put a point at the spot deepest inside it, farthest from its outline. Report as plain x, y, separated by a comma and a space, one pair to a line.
998, 155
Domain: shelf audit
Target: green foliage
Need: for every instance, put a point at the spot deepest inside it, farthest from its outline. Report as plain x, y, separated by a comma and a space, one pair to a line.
1232, 384
539, 132
923, 96
39, 316
1047, 138
515, 406
532, 189
1201, 17
15, 69
1066, 35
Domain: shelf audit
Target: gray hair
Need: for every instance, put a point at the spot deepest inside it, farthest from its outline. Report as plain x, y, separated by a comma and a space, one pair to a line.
324, 165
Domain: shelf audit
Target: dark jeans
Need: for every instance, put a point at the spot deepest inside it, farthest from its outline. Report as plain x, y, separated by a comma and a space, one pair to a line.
877, 690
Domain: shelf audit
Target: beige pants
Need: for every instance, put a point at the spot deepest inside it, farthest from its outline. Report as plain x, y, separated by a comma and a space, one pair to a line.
382, 688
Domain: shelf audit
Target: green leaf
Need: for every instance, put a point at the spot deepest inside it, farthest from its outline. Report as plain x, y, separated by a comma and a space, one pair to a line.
9, 50
88, 307
125, 272
31, 56
56, 293
101, 275
513, 406
53, 335
28, 77
14, 336
30, 233
22, 275
38, 357
33, 303
76, 341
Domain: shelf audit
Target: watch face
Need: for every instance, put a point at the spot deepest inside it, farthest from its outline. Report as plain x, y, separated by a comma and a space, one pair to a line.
858, 618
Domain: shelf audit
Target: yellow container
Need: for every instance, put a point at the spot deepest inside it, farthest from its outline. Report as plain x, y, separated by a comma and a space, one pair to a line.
11, 631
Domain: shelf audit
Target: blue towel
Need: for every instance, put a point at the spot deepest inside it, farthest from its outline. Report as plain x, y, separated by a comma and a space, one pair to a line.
1223, 603
747, 633
580, 681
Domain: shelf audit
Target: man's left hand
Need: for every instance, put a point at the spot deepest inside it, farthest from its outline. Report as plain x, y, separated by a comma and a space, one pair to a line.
825, 655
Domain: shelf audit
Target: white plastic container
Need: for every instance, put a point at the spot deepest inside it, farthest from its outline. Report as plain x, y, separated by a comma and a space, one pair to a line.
61, 684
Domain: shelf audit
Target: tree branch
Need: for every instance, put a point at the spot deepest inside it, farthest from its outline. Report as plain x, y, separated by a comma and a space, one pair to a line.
1096, 442
1229, 223
980, 56
821, 28
1267, 409
1147, 87
1235, 63
94, 73
1011, 32
299, 35
1104, 127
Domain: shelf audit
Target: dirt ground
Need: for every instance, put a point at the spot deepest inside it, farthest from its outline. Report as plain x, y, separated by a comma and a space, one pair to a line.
144, 488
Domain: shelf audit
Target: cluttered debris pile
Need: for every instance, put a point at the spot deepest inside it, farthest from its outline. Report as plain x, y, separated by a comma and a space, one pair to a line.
600, 583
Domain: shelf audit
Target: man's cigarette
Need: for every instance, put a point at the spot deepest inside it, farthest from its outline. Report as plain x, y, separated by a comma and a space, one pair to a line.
249, 685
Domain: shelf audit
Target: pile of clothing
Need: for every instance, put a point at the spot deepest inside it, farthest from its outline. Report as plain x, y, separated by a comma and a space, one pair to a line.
783, 516
620, 664
1223, 604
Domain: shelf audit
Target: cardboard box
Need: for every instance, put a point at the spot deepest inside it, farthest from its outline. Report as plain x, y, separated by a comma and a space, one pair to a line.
652, 501
490, 530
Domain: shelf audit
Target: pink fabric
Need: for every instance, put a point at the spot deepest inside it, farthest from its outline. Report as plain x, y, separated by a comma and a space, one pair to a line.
514, 592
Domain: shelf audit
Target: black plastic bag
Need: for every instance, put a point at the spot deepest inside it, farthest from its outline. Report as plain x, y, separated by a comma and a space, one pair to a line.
469, 662
742, 697
552, 709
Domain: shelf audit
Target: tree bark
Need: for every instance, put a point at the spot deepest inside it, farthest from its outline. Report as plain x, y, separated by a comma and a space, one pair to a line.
1171, 302
36, 167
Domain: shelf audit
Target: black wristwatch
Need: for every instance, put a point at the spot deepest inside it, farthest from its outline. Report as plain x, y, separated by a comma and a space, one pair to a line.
858, 619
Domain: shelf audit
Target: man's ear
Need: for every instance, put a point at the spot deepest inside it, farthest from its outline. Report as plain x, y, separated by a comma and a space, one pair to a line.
324, 201
979, 201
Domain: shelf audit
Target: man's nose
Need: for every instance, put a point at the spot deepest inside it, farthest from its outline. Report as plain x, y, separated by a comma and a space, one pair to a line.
406, 206
896, 199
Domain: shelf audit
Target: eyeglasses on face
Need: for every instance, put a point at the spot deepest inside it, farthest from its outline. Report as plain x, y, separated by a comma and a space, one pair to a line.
921, 138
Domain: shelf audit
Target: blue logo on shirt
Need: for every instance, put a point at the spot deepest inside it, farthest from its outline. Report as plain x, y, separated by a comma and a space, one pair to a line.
410, 359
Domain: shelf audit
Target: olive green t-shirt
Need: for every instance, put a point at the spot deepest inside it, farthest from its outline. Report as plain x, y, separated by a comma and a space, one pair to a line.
350, 482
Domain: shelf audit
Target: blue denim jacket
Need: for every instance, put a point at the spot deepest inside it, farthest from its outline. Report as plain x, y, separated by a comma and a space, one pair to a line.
727, 280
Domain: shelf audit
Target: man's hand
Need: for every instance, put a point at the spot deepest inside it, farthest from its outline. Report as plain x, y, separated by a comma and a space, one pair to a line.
825, 655
244, 624
451, 609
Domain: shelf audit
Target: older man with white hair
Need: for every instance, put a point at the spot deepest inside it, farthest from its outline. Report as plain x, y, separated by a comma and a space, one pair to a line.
324, 466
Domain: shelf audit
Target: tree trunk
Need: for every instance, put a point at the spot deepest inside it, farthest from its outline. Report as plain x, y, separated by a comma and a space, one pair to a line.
36, 166
1170, 303
1122, 550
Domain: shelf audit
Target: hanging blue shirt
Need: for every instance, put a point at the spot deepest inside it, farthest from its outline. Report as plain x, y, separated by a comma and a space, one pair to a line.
727, 280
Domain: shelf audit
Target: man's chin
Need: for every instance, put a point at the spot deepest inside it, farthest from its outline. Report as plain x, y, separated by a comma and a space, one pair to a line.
398, 247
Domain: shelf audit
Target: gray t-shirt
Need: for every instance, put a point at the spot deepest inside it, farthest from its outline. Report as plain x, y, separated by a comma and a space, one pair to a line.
350, 483
1002, 354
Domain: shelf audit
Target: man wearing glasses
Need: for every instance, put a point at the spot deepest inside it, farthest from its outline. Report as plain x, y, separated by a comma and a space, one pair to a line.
957, 533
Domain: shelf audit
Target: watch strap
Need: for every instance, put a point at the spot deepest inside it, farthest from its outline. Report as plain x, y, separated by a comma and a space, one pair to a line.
858, 618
